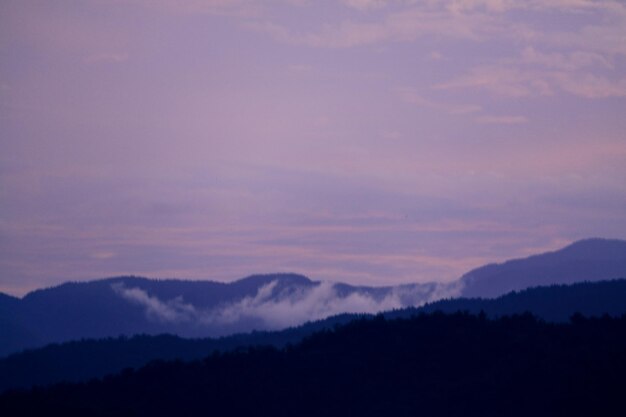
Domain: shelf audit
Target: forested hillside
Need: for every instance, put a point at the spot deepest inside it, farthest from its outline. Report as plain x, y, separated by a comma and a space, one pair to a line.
91, 358
428, 365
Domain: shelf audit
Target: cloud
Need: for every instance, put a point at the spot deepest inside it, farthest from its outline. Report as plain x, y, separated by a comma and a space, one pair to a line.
391, 135
436, 56
510, 78
171, 311
590, 85
401, 26
299, 68
318, 302
106, 57
412, 97
279, 308
102, 255
365, 4
458, 6
460, 109
503, 80
580, 58
502, 120
468, 20
572, 6
239, 8
562, 61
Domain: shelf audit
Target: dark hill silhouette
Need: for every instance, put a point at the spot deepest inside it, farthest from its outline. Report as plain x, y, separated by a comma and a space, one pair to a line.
7, 300
197, 309
585, 260
555, 303
134, 305
428, 365
95, 310
82, 360
201, 294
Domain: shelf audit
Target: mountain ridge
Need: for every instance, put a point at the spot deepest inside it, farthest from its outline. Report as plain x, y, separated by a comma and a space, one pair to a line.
86, 359
587, 259
130, 305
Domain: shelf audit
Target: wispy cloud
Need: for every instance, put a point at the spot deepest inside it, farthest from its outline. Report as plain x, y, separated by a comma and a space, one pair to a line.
502, 120
505, 80
403, 26
570, 61
580, 69
323, 300
103, 255
366, 4
410, 96
511, 78
290, 306
171, 311
235, 8
469, 20
106, 57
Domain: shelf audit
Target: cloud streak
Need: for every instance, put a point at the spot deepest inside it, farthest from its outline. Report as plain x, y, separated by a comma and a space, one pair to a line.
412, 97
536, 74
502, 120
171, 311
274, 308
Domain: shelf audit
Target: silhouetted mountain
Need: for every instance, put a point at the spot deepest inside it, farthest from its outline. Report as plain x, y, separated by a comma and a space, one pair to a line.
428, 365
555, 303
585, 260
132, 305
7, 300
93, 358
82, 360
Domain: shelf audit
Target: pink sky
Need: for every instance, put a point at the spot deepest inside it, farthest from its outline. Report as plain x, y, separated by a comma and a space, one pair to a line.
366, 141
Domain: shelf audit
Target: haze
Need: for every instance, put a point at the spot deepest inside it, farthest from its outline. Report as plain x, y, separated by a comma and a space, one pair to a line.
365, 141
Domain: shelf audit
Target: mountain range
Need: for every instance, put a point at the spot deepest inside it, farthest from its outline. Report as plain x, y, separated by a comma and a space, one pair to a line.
132, 305
85, 359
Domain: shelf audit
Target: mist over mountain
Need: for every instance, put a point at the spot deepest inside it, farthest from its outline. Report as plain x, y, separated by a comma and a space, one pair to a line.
133, 305
82, 360
584, 260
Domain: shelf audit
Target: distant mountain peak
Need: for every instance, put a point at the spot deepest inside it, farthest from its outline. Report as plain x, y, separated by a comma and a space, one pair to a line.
595, 241
592, 259
284, 277
596, 247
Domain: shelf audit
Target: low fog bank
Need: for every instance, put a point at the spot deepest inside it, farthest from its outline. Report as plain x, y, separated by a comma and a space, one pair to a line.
275, 307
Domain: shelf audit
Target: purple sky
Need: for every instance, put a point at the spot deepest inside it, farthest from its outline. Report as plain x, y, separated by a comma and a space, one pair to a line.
365, 141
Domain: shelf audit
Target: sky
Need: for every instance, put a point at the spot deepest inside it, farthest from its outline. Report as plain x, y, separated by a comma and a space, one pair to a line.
366, 141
